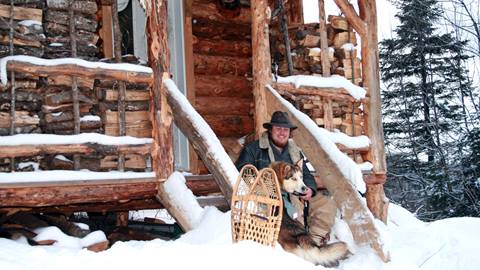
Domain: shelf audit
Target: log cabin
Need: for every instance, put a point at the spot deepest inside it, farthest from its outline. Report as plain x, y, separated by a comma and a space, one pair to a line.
99, 67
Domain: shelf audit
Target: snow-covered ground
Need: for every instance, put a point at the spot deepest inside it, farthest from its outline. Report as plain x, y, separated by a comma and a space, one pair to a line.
445, 244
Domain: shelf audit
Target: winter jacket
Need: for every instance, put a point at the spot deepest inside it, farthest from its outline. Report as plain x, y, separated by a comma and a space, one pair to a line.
260, 154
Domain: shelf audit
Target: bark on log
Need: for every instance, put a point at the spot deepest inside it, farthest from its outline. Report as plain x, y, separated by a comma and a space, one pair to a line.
17, 50
70, 125
66, 97
261, 66
87, 148
87, 7
129, 106
21, 13
80, 71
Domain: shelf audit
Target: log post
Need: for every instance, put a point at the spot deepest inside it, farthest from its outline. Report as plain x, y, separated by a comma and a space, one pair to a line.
323, 39
261, 65
374, 129
161, 113
76, 104
117, 34
12, 79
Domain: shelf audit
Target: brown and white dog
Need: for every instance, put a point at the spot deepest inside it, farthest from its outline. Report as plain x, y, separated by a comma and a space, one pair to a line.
293, 237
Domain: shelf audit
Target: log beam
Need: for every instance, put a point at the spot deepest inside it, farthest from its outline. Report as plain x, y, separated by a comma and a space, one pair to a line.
80, 71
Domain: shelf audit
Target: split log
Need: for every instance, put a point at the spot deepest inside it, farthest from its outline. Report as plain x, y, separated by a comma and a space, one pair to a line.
220, 65
223, 86
22, 118
130, 95
84, 108
81, 22
31, 106
112, 84
136, 162
59, 33
334, 93
338, 22
342, 38
61, 49
22, 40
38, 4
110, 117
67, 81
21, 13
54, 127
139, 130
80, 71
87, 148
17, 50
66, 97
87, 7
129, 106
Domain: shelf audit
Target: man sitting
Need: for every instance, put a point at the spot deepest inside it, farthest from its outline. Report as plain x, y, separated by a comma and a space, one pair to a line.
275, 145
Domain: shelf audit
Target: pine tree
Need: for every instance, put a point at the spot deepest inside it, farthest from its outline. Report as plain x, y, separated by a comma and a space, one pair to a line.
425, 77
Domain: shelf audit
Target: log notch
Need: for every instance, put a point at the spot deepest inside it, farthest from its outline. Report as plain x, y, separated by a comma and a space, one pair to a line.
261, 60
347, 198
160, 111
366, 26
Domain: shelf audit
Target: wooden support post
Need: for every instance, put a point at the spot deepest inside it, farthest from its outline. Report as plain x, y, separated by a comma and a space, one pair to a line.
161, 113
121, 84
76, 104
12, 83
323, 39
122, 219
262, 74
107, 35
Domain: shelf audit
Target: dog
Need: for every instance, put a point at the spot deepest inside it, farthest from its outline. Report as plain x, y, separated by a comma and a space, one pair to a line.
293, 236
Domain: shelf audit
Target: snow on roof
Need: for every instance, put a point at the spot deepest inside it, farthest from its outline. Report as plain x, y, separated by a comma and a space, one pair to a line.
347, 167
65, 61
35, 139
216, 150
334, 81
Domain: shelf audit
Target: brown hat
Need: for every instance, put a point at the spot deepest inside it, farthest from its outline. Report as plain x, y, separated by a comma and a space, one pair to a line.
279, 119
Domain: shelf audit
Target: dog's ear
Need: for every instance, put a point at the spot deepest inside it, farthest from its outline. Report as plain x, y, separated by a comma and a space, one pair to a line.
299, 163
286, 169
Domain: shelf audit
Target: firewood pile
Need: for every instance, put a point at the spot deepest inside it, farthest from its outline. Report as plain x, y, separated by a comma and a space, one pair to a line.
27, 30
46, 104
58, 30
306, 52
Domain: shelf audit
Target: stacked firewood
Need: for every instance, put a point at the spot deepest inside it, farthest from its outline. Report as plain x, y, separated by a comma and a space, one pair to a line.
27, 34
57, 27
306, 52
57, 106
137, 115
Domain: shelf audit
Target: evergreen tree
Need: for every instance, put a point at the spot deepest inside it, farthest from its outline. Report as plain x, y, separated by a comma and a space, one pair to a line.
425, 77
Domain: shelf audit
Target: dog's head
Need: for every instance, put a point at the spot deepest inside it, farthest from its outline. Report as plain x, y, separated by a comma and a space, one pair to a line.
290, 177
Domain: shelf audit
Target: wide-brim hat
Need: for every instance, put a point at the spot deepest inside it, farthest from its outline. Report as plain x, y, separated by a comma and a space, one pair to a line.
279, 119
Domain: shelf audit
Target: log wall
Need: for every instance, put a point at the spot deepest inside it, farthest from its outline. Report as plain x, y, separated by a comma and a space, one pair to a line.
222, 52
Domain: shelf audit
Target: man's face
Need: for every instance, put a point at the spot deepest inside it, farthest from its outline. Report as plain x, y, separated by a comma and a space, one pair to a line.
280, 135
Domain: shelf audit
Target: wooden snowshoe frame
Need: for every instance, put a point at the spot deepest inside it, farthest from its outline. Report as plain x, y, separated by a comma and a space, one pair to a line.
257, 206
